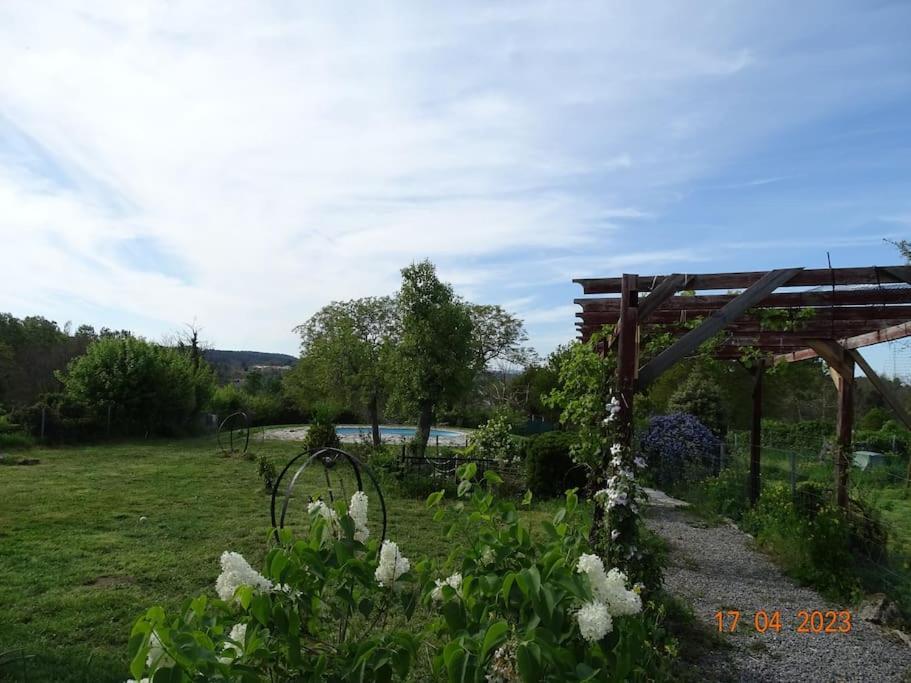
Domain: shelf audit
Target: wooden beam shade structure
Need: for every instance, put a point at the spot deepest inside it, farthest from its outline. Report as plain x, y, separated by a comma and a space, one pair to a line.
790, 315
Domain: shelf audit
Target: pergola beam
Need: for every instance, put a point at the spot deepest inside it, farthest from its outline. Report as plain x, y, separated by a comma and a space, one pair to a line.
867, 296
818, 315
807, 278
857, 342
714, 324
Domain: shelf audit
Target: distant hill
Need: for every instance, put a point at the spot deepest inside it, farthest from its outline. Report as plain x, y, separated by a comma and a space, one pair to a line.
231, 365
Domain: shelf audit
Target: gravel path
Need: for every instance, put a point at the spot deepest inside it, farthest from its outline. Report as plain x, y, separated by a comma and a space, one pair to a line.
715, 568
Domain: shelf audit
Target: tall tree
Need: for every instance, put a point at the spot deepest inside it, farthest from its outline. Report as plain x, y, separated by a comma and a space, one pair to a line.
437, 355
346, 350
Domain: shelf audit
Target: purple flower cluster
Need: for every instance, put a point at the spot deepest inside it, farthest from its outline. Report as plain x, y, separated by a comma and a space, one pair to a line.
677, 439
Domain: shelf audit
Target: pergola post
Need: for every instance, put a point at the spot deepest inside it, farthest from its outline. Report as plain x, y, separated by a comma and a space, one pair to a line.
627, 353
844, 431
841, 368
756, 432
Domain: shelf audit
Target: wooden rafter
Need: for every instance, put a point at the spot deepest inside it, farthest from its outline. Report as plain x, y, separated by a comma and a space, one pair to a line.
857, 342
690, 341
807, 278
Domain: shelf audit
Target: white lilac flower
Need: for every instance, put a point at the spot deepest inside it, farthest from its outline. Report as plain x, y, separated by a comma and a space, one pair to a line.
639, 462
239, 636
157, 656
593, 567
619, 599
392, 565
323, 510
616, 461
454, 582
601, 495
357, 510
616, 449
237, 572
141, 680
594, 621
615, 534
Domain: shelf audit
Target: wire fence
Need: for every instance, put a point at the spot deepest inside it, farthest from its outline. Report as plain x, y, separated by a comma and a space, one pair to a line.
878, 493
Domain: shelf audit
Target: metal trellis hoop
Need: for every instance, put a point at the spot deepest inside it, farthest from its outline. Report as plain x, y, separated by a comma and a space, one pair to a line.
228, 424
329, 457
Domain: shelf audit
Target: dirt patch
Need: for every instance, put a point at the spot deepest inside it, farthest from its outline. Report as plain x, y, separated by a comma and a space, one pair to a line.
111, 582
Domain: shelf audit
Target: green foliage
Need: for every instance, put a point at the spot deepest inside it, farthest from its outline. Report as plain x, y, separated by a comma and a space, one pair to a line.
700, 396
494, 439
883, 441
724, 495
347, 355
818, 542
550, 469
321, 434
580, 398
804, 438
437, 353
150, 388
266, 471
815, 548
332, 607
12, 435
873, 420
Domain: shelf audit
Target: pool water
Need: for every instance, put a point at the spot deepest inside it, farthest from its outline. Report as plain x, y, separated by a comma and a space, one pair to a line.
397, 432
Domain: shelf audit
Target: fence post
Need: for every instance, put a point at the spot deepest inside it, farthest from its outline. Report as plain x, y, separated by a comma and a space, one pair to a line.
438, 445
793, 459
721, 453
109, 420
43, 409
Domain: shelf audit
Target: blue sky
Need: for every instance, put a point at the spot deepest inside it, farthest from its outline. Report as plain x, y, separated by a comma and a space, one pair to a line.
241, 164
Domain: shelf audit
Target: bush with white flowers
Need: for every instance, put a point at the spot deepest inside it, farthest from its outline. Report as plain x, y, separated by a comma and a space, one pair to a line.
339, 606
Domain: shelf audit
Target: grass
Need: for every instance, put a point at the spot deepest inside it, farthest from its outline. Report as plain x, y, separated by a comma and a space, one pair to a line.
77, 566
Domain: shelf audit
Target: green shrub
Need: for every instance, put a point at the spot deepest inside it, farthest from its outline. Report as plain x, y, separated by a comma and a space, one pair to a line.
816, 550
801, 437
700, 397
726, 494
896, 441
494, 440
322, 434
266, 471
550, 469
873, 420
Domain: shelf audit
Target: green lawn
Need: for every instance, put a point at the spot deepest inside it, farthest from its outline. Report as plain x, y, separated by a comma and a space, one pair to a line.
77, 566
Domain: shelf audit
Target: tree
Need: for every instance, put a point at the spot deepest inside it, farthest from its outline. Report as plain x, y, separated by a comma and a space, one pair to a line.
346, 354
438, 355
700, 396
148, 387
497, 335
903, 247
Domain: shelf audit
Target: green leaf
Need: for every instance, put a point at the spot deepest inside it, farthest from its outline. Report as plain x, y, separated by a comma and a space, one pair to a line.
139, 641
528, 657
492, 477
464, 487
261, 608
471, 469
496, 633
561, 514
434, 498
279, 562
526, 499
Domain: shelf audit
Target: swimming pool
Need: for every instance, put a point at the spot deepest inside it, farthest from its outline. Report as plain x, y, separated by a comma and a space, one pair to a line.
393, 433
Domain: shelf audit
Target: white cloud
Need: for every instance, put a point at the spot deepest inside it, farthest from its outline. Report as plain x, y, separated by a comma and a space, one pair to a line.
294, 154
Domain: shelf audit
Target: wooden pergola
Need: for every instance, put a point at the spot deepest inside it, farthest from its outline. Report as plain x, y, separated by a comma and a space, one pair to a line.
788, 314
